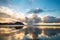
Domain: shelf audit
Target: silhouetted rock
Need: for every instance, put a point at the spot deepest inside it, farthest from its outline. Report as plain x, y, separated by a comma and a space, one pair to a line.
17, 23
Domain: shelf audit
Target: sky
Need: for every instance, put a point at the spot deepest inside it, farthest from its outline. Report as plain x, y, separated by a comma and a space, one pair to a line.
49, 7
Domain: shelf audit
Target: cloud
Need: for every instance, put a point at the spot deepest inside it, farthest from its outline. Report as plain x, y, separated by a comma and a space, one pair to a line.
51, 19
5, 14
8, 15
37, 10
57, 20
6, 10
33, 18
19, 16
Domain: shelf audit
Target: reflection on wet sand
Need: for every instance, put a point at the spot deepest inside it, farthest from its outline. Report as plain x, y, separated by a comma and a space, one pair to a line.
29, 33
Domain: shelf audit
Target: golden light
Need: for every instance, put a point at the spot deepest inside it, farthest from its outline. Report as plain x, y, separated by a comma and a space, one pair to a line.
14, 15
7, 20
5, 30
21, 35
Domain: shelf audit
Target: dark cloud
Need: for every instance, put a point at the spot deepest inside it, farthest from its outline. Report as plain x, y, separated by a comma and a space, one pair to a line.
46, 19
37, 10
51, 19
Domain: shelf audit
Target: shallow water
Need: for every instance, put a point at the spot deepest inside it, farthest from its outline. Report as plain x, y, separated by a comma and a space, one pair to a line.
32, 33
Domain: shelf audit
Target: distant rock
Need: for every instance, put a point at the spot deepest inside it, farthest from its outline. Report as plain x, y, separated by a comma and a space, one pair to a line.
17, 23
